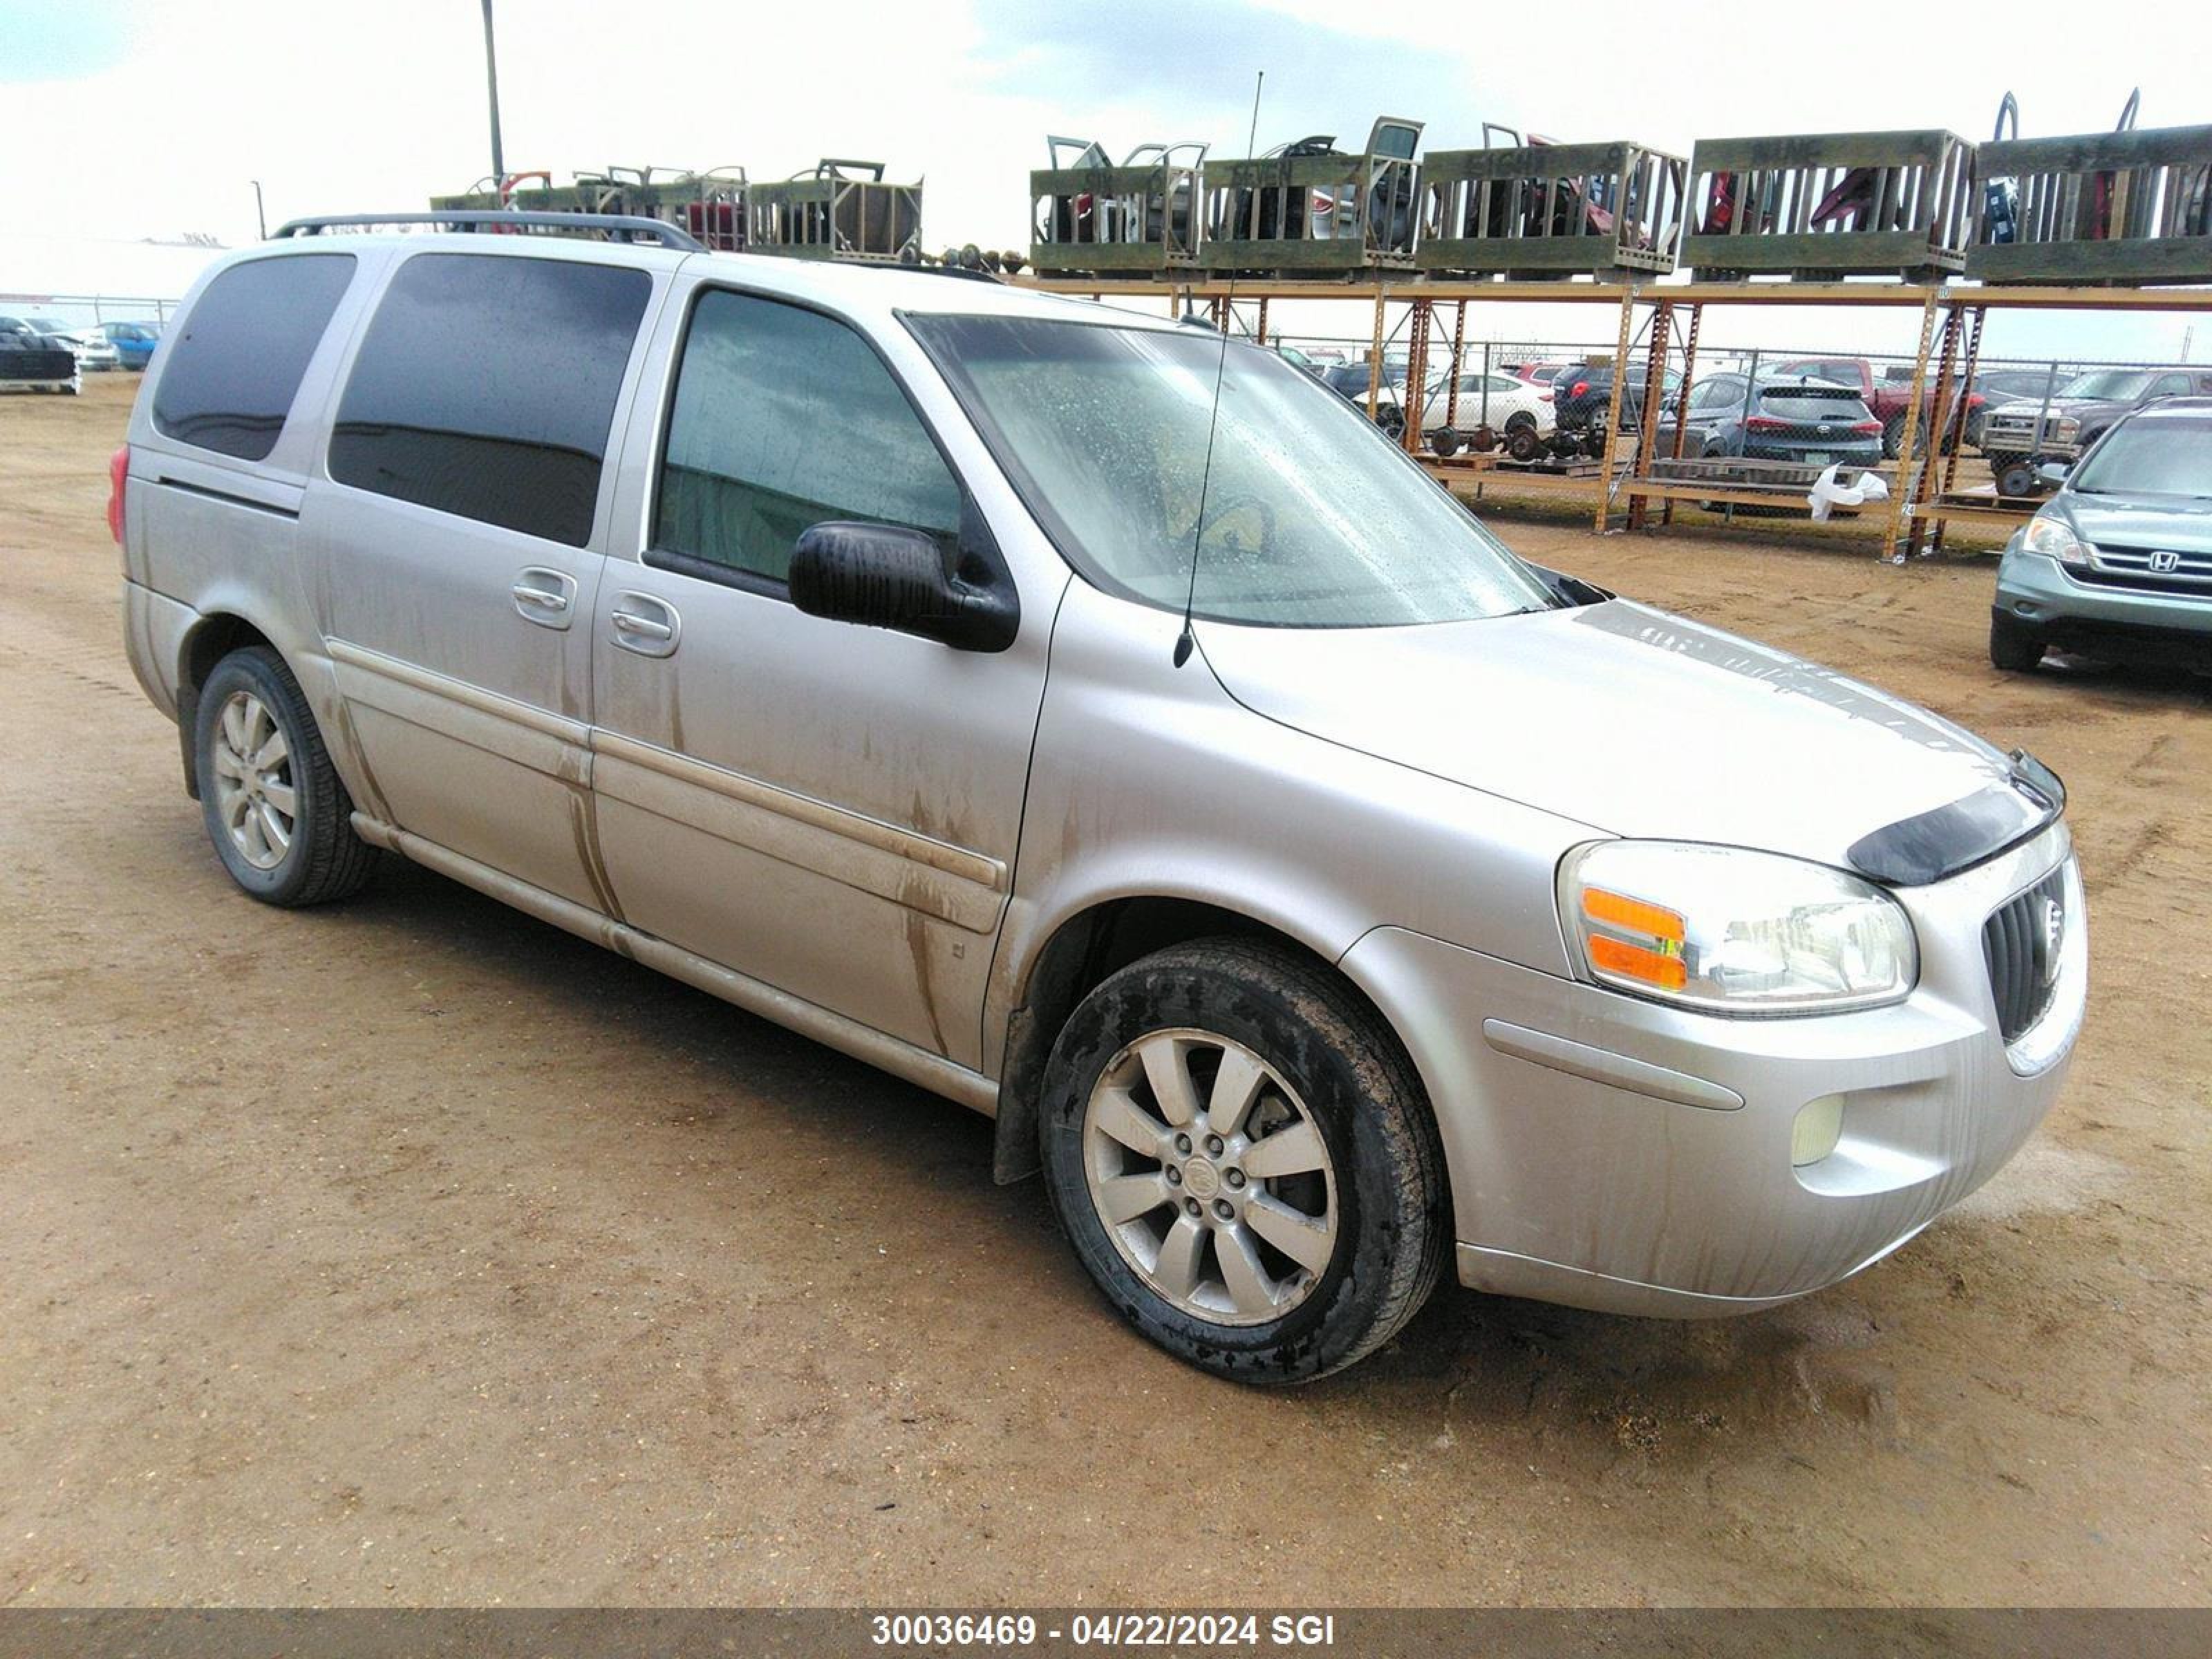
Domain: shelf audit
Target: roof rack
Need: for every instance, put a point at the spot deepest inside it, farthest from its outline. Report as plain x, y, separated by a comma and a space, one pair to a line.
628, 227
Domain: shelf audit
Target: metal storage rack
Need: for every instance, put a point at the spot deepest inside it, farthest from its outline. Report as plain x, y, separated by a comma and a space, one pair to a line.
1094, 217
710, 206
1540, 210
1310, 209
2130, 207
840, 210
1831, 205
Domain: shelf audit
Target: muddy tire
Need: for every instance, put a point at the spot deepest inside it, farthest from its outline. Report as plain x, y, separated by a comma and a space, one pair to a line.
1244, 1161
278, 816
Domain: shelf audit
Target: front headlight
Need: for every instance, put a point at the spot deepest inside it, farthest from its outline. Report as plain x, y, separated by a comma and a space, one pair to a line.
1733, 932
2054, 538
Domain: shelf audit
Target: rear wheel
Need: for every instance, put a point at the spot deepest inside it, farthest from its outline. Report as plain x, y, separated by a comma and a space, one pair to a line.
2014, 645
2017, 475
1243, 1161
280, 819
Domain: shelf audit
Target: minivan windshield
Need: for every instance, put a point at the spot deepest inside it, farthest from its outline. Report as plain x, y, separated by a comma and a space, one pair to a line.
2161, 457
1312, 518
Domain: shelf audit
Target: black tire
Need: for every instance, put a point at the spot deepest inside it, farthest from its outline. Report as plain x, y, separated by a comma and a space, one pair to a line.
1893, 436
1392, 1209
2015, 646
2018, 476
324, 860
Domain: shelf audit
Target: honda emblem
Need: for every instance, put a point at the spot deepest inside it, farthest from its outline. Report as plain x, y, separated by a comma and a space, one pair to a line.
2164, 562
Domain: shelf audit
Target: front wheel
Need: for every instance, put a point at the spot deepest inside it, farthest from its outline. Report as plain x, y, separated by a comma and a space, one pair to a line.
279, 816
1245, 1162
2015, 647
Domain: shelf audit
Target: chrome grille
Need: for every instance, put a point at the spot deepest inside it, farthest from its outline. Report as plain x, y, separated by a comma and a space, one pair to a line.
2149, 570
2020, 943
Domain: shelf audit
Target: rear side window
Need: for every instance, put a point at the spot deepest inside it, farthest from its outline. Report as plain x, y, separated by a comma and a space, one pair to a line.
230, 373
785, 418
485, 387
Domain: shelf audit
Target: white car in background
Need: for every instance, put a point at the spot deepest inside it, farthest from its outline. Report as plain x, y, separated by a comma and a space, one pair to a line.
1499, 401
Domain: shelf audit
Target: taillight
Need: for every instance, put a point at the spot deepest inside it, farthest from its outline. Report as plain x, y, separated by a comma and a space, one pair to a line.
1871, 428
1767, 423
119, 475
1580, 388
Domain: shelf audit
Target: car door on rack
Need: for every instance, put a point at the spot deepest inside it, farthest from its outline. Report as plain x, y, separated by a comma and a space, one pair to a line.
829, 809
457, 551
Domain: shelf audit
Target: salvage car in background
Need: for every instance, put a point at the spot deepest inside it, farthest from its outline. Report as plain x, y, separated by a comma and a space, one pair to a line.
1581, 394
134, 342
1506, 405
88, 346
1783, 418
2119, 561
29, 362
1888, 396
2087, 407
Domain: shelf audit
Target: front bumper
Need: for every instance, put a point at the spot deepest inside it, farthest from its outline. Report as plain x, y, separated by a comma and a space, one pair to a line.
1614, 1153
2037, 591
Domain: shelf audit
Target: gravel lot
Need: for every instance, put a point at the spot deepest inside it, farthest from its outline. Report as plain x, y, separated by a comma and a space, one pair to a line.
414, 1251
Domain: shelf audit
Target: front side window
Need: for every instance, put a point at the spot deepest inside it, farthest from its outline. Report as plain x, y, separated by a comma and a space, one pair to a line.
785, 418
230, 375
486, 388
1309, 517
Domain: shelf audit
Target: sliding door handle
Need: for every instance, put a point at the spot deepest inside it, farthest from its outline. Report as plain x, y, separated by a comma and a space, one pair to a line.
645, 625
545, 597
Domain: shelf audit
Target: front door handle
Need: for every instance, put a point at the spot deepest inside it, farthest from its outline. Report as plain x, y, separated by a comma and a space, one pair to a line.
547, 597
648, 626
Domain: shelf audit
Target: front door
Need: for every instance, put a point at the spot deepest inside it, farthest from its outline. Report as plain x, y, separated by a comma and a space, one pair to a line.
456, 551
830, 809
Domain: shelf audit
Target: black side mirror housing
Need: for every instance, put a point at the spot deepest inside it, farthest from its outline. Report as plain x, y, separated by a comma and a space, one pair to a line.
883, 575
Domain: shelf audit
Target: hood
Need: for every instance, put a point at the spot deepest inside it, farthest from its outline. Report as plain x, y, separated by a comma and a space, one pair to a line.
2074, 406
1634, 722
2174, 522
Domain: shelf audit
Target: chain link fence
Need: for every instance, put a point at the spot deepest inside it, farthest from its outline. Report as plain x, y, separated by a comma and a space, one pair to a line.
1754, 416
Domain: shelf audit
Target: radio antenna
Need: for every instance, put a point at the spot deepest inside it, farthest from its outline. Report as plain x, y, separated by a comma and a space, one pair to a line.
1185, 639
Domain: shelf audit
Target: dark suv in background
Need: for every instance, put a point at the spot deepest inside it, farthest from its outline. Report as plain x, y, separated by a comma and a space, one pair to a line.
1582, 393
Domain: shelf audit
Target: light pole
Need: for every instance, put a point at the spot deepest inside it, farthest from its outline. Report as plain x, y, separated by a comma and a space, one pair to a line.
491, 89
260, 218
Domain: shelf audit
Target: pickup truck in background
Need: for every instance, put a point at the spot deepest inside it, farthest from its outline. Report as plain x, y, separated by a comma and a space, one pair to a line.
2084, 409
1888, 399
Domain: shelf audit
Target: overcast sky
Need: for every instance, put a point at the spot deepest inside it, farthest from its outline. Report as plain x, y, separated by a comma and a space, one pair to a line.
148, 118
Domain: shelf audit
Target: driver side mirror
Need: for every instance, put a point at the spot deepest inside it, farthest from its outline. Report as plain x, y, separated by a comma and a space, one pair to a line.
883, 575
2053, 472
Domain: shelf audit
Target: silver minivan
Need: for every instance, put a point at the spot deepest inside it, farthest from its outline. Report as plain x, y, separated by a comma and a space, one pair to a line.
1103, 726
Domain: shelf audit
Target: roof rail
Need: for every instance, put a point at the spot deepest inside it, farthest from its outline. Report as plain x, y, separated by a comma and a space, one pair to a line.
629, 227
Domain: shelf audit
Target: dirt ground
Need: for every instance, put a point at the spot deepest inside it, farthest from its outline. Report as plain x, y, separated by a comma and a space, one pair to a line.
414, 1251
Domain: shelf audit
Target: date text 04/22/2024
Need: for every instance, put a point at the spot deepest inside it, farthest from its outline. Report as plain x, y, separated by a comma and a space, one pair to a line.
1105, 1630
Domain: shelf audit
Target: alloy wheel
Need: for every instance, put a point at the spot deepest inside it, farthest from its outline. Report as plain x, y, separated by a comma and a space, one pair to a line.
1210, 1176
255, 799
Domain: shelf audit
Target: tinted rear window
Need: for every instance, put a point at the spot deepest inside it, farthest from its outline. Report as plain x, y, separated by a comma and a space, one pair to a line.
230, 373
486, 388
